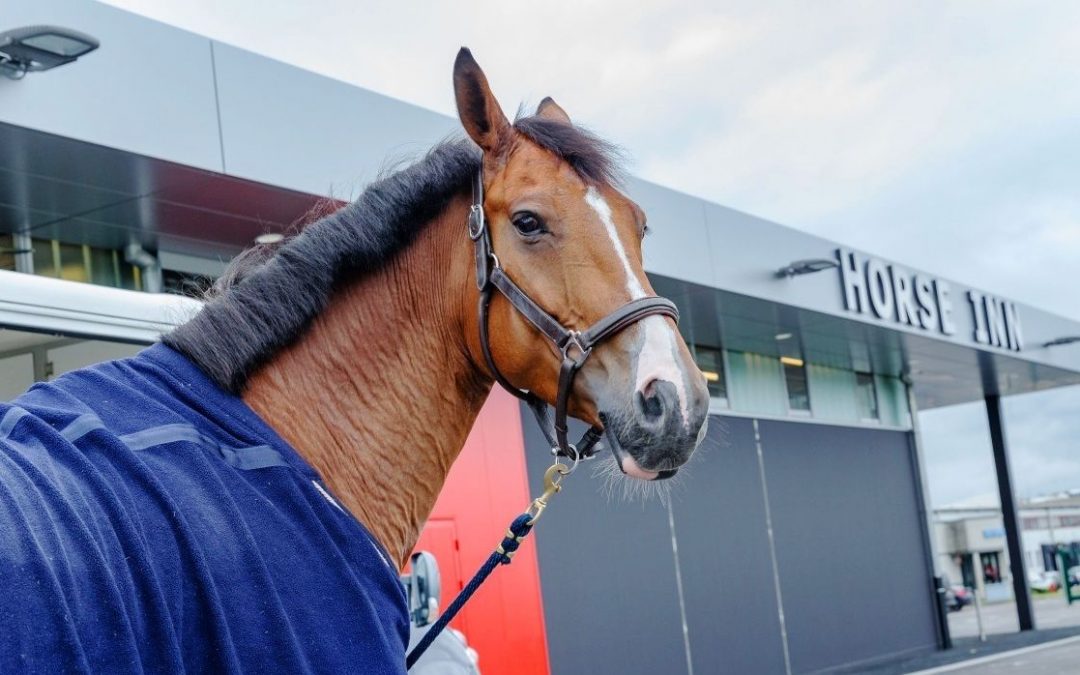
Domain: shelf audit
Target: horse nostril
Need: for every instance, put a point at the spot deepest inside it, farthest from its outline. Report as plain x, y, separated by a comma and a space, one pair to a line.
654, 401
650, 405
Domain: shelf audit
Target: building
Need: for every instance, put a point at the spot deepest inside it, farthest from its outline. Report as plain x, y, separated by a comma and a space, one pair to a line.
147, 163
971, 541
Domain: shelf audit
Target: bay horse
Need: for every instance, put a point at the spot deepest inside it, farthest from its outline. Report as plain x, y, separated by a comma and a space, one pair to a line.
242, 496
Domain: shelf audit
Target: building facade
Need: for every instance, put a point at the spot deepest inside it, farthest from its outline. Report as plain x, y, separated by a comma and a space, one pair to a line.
971, 542
134, 173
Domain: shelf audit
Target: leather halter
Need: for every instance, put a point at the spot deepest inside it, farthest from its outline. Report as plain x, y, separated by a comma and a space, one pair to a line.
575, 346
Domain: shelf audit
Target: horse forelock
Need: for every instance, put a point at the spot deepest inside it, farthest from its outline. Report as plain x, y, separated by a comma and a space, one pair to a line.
591, 157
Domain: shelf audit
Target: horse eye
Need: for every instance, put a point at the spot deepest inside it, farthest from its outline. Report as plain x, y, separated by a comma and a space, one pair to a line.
527, 223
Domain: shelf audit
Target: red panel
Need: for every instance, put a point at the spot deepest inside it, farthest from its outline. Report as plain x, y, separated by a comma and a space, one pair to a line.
440, 539
486, 489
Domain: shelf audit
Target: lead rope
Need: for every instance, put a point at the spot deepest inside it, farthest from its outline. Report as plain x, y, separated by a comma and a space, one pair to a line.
502, 555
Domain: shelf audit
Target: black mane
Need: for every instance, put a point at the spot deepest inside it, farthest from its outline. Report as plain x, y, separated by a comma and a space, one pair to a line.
269, 295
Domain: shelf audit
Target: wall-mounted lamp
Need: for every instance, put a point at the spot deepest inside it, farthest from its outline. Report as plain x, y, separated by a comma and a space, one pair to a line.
808, 266
35, 48
1067, 340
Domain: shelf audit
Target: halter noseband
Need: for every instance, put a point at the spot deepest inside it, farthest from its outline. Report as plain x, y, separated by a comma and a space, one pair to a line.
575, 346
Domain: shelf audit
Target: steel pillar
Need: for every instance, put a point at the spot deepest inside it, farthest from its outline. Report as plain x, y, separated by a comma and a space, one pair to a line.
1009, 516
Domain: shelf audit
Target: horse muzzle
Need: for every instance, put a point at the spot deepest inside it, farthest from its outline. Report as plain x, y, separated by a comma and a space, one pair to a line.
656, 437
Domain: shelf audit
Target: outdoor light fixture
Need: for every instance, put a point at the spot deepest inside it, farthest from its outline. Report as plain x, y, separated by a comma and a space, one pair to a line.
36, 48
1067, 340
711, 376
783, 336
270, 238
808, 266
791, 361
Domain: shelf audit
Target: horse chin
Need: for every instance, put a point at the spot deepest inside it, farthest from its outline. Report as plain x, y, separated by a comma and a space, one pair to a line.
628, 465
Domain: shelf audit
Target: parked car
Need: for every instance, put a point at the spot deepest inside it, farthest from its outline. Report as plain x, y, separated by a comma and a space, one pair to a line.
957, 596
1044, 582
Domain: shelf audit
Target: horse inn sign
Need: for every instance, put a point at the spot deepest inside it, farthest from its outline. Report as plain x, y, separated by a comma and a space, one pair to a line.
873, 287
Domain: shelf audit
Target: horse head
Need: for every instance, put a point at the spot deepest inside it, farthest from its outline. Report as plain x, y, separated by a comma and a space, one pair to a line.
563, 232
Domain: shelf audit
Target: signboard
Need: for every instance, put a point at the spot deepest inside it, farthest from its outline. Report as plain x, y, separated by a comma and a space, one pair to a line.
892, 293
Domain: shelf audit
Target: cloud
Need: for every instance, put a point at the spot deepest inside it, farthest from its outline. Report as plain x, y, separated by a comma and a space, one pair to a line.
940, 135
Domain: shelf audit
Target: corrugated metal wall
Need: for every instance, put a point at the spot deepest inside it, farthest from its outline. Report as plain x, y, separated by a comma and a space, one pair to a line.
846, 560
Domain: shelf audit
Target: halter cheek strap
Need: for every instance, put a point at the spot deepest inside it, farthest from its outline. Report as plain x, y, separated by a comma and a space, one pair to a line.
574, 346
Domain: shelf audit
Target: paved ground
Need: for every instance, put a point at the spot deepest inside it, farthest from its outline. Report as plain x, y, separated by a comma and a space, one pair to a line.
1049, 660
967, 649
1051, 611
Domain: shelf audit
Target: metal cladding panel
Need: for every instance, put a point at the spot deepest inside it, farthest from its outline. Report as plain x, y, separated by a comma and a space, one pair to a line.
285, 126
149, 88
852, 568
724, 556
677, 242
607, 569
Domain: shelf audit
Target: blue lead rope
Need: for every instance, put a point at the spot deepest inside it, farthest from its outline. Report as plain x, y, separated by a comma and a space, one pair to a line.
502, 555
519, 529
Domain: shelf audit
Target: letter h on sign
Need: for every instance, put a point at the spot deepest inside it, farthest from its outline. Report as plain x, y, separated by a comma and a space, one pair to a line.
851, 275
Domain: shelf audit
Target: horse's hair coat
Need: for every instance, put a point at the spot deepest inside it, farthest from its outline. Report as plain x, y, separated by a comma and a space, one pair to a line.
268, 296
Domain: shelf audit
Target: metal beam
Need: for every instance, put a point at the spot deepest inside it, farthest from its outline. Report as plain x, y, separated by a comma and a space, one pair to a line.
1009, 513
922, 498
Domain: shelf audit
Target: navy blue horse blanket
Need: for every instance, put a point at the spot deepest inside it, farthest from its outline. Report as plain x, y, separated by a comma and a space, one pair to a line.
152, 522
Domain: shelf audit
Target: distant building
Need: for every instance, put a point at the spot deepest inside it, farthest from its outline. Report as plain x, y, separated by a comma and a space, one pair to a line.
970, 541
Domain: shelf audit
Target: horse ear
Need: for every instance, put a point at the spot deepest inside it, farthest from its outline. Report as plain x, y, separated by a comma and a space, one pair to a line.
549, 109
480, 113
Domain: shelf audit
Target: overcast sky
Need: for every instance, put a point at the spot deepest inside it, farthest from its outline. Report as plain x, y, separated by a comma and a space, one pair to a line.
945, 136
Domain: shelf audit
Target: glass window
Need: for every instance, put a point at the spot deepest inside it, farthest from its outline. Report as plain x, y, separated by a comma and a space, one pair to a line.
7, 245
102, 270
866, 397
798, 392
73, 262
44, 259
711, 362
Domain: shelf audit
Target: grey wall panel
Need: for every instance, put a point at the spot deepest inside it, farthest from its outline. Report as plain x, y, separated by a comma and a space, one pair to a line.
607, 576
849, 550
724, 556
676, 245
732, 234
148, 89
289, 127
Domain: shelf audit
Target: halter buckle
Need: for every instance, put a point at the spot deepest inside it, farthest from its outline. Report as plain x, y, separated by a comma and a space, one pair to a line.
573, 339
476, 221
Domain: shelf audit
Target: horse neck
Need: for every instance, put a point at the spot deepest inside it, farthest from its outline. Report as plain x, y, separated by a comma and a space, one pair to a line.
380, 393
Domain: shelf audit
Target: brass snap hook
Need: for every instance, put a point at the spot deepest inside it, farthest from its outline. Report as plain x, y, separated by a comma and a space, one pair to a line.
553, 478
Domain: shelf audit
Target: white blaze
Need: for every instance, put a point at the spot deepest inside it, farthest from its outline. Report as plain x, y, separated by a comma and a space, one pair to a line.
659, 348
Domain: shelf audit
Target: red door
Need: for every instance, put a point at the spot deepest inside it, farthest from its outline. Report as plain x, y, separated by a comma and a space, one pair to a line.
486, 489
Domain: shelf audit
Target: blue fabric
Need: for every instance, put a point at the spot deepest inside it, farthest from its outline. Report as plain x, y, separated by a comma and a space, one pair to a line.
151, 522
